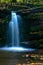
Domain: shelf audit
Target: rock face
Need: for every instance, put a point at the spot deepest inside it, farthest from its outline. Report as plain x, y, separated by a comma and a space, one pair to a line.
4, 20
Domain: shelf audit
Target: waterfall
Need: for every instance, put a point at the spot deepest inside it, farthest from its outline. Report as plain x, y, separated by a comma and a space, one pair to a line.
13, 36
14, 30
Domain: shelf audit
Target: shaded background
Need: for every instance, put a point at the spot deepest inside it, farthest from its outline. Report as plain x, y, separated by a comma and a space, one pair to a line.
30, 26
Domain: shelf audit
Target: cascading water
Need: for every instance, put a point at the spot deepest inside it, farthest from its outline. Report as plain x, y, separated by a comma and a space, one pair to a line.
13, 36
14, 30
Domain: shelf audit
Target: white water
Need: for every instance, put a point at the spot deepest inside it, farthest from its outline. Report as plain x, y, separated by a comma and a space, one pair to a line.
14, 36
17, 49
14, 30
